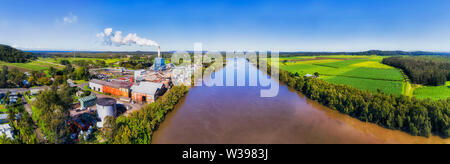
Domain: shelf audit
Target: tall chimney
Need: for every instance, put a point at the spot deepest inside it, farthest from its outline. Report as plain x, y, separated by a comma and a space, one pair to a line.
159, 52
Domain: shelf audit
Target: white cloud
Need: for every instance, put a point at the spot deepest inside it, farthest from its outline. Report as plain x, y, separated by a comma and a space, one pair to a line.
108, 37
70, 19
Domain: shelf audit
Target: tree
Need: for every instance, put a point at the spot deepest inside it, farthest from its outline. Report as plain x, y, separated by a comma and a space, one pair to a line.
417, 117
12, 55
52, 72
316, 74
52, 114
81, 73
3, 77
44, 81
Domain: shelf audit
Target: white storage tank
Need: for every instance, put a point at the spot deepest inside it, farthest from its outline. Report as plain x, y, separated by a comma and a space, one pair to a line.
105, 107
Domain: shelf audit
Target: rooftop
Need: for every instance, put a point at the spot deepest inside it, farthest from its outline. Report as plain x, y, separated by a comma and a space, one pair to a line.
88, 98
106, 101
3, 116
114, 83
146, 87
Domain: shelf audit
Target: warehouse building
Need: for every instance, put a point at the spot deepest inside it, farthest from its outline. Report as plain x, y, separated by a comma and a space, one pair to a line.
96, 85
146, 92
114, 87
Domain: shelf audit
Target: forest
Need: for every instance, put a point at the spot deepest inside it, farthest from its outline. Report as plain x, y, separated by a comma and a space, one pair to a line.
12, 55
434, 71
417, 117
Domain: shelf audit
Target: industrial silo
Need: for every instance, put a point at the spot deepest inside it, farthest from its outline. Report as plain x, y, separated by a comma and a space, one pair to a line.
105, 107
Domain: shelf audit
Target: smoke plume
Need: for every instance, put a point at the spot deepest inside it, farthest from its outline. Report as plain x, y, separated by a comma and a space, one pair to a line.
109, 37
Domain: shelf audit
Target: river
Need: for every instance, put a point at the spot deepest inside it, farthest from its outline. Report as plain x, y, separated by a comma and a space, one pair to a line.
238, 115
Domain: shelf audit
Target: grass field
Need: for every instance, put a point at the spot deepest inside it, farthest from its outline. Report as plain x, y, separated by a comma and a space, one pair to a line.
362, 72
432, 92
36, 65
58, 60
46, 63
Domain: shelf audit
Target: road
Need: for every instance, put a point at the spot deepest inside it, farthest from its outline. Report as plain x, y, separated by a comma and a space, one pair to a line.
20, 90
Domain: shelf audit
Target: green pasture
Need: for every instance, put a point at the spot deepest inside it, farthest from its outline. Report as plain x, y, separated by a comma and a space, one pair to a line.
362, 72
433, 92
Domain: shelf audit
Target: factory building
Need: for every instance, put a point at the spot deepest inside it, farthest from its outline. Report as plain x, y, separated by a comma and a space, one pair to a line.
115, 87
95, 85
146, 92
105, 107
159, 63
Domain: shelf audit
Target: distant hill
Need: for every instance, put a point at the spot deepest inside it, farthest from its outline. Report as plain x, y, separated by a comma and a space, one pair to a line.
371, 52
12, 55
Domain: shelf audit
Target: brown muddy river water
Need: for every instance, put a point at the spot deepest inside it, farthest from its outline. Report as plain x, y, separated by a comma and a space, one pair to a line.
238, 115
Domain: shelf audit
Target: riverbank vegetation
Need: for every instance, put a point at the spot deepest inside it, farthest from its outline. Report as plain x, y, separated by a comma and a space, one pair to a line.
434, 71
417, 117
139, 126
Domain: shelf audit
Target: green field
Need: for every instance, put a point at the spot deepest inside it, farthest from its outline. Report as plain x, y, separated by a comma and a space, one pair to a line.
46, 63
58, 60
36, 65
362, 72
432, 92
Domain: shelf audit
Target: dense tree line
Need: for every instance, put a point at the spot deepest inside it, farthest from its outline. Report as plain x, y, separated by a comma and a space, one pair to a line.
423, 70
52, 113
104, 55
417, 117
371, 52
12, 78
12, 55
138, 62
139, 127
61, 76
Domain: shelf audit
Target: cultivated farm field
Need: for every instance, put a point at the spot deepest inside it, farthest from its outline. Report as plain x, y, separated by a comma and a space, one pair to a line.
362, 72
433, 92
36, 65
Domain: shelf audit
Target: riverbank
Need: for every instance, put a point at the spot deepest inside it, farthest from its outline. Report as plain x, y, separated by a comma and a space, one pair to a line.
417, 117
238, 115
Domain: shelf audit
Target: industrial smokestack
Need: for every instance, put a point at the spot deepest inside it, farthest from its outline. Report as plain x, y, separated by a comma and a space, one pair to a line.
159, 51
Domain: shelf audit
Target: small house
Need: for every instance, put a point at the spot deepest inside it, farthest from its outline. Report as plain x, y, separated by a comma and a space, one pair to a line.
35, 92
309, 75
4, 118
5, 129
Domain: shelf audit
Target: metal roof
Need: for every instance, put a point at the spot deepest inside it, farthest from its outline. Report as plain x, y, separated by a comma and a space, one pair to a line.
106, 101
88, 98
3, 116
146, 88
114, 84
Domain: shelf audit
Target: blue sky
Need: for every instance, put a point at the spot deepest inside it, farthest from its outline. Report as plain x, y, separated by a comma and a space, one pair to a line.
301, 25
